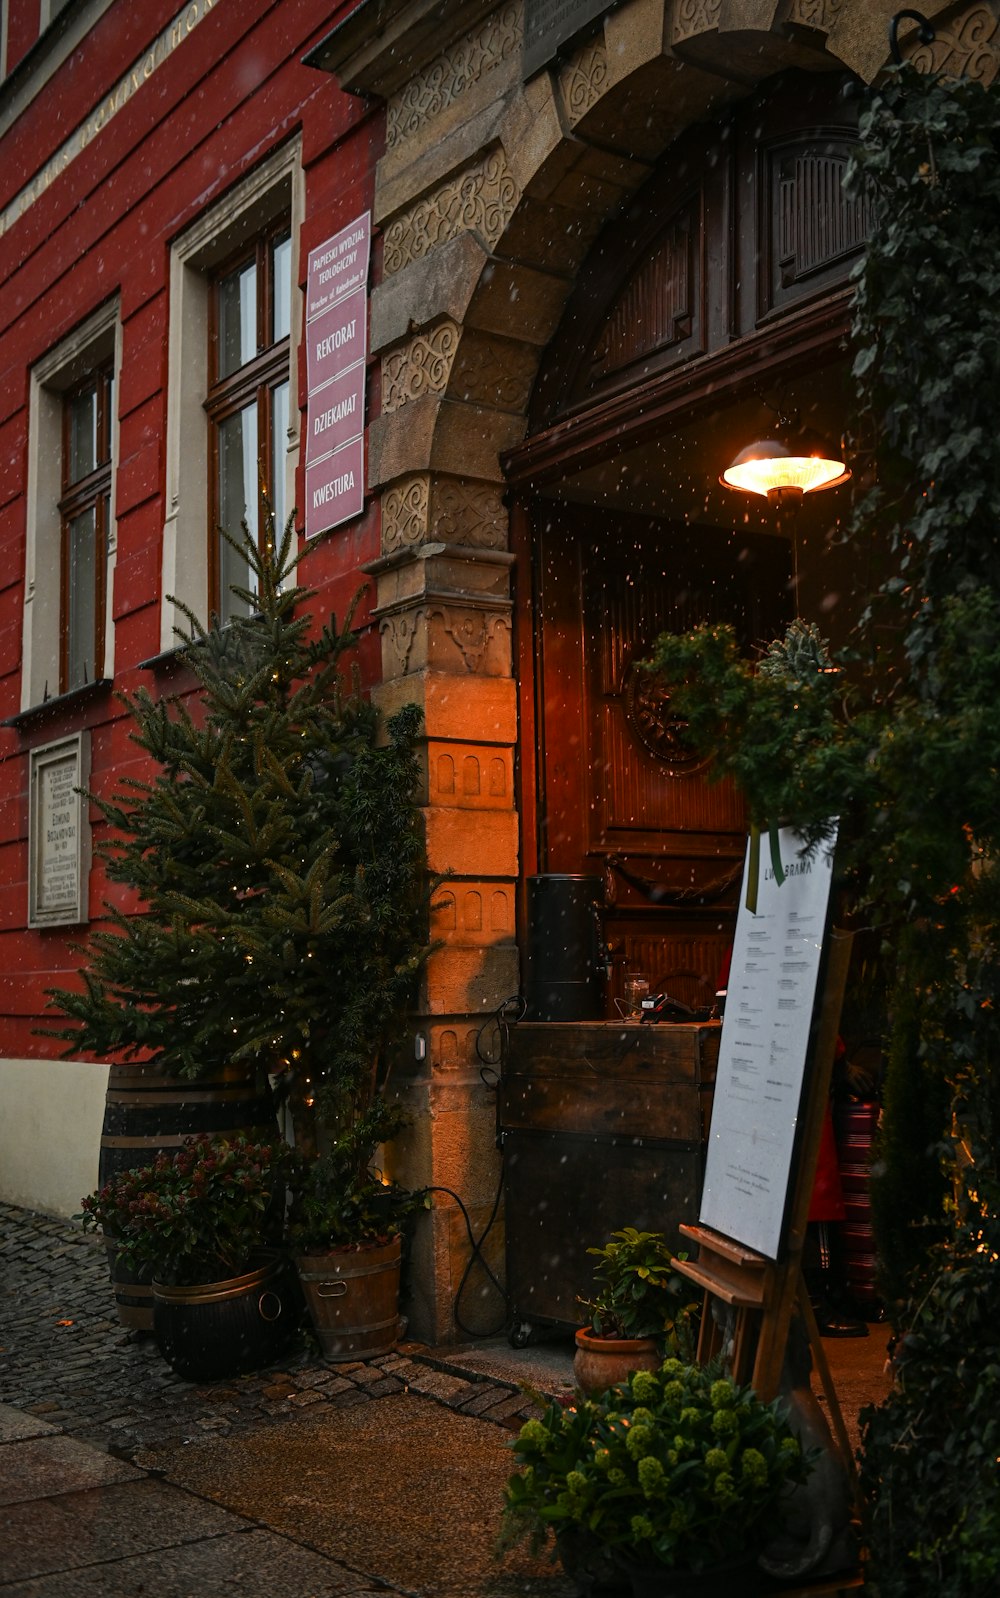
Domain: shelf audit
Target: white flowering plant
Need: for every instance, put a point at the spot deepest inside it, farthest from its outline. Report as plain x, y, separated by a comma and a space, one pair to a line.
678, 1467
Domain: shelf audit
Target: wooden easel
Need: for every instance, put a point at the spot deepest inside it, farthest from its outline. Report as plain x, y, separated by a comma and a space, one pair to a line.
764, 1293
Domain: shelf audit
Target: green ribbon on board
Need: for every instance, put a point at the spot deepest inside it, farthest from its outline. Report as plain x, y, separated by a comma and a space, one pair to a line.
753, 863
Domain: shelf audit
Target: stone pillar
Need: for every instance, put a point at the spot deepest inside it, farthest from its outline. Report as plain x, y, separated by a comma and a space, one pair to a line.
445, 620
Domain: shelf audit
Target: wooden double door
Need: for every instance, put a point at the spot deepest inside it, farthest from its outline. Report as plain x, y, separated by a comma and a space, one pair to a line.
616, 792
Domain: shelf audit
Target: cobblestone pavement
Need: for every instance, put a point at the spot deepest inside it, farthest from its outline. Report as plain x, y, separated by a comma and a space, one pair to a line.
65, 1359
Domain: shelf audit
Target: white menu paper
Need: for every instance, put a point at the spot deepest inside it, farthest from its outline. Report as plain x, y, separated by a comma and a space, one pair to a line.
764, 1047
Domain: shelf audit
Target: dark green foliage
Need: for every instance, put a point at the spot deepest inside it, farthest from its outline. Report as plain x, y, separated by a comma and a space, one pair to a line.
777, 727
277, 856
927, 336
334, 1207
910, 760
929, 1463
907, 1181
927, 339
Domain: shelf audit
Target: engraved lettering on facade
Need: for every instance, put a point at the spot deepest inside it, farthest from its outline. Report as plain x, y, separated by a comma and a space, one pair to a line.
142, 70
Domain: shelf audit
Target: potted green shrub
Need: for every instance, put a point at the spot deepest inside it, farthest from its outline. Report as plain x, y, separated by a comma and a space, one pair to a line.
673, 1481
345, 1227
206, 1223
642, 1310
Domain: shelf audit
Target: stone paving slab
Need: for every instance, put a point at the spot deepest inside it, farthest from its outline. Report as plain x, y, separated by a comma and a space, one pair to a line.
77, 1529
15, 1425
37, 1467
247, 1564
403, 1487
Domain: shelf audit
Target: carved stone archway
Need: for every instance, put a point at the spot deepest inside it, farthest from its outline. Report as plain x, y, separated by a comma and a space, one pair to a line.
489, 196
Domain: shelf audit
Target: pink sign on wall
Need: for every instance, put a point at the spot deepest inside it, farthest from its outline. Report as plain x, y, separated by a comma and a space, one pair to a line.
335, 485
336, 349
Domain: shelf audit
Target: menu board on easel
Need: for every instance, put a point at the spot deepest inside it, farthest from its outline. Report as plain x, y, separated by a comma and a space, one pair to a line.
764, 1049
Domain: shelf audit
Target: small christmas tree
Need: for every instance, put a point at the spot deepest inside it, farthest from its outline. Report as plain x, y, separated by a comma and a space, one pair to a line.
280, 866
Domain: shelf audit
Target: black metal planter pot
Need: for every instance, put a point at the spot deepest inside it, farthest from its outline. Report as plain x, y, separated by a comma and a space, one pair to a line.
220, 1329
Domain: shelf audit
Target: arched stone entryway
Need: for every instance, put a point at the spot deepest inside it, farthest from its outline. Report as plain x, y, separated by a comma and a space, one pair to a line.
490, 195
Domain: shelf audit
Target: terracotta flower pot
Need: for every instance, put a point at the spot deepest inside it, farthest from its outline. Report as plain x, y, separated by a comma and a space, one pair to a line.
602, 1362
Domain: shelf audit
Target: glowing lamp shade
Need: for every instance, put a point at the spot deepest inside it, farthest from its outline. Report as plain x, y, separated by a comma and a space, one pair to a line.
799, 464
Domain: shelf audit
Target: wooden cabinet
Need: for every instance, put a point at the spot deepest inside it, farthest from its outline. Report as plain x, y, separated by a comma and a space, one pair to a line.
604, 1126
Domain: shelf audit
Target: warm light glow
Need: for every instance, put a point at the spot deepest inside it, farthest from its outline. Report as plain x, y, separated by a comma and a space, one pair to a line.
770, 466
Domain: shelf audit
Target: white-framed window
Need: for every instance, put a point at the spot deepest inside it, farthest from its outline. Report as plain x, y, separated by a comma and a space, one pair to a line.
71, 526
48, 11
232, 423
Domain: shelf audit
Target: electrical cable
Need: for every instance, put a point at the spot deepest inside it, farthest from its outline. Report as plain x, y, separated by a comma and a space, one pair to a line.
512, 1009
476, 1245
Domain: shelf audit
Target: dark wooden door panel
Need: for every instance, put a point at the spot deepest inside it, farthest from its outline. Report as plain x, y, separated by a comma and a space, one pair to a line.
619, 791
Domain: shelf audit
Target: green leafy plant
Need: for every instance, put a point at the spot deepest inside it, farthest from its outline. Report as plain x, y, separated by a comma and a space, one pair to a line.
198, 1215
333, 1206
640, 1293
679, 1468
778, 727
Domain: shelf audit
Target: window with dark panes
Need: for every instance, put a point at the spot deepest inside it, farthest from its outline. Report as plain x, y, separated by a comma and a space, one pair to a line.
247, 404
85, 517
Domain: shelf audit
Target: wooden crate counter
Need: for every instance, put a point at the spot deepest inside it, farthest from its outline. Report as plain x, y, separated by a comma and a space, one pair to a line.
604, 1126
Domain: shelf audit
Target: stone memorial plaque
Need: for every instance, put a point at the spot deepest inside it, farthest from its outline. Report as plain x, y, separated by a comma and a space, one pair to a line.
549, 25
59, 833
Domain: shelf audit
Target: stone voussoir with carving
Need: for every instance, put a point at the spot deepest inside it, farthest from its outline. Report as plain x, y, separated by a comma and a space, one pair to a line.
818, 14
480, 199
583, 79
420, 367
966, 46
691, 17
451, 510
494, 372
465, 63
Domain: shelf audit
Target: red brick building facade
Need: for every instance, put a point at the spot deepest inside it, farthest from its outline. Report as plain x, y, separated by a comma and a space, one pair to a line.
147, 155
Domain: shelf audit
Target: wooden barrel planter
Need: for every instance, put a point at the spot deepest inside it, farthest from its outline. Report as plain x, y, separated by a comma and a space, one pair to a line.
146, 1114
352, 1296
222, 1329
